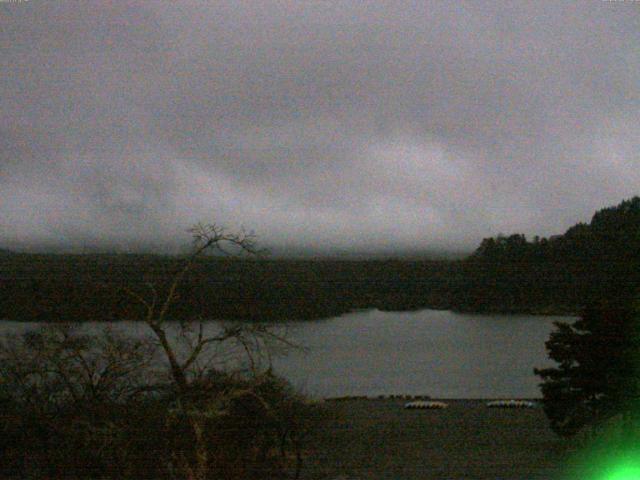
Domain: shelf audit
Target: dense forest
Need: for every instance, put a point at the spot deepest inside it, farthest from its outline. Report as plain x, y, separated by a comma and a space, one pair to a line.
561, 273
505, 274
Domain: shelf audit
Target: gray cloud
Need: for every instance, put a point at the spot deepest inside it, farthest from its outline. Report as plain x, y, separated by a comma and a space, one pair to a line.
321, 125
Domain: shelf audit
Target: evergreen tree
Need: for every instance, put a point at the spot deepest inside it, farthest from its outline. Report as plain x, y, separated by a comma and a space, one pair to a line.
598, 373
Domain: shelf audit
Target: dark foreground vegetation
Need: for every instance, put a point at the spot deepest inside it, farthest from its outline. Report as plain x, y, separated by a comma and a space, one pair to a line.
77, 406
379, 439
507, 274
181, 402
596, 379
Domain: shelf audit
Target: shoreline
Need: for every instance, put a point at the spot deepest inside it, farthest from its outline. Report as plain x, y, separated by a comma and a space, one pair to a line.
351, 398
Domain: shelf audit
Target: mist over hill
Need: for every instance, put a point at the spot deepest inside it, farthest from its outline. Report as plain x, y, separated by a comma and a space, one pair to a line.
507, 273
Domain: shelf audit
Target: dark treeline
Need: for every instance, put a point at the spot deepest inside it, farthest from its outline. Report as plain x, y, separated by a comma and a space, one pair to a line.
562, 273
78, 287
505, 274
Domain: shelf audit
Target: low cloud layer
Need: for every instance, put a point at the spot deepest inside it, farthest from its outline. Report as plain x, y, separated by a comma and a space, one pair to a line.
323, 126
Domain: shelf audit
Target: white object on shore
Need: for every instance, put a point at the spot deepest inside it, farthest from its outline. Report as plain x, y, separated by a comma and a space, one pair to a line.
511, 404
426, 405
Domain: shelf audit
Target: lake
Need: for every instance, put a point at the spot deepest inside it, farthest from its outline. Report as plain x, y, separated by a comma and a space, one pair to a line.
431, 352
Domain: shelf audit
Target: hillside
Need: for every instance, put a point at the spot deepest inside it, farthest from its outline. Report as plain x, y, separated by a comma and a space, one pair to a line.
79, 287
511, 274
560, 273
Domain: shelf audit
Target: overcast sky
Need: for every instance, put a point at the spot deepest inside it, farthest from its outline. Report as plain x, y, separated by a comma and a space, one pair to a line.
324, 125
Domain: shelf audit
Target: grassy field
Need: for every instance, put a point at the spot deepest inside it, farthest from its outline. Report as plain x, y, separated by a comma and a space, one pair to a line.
379, 439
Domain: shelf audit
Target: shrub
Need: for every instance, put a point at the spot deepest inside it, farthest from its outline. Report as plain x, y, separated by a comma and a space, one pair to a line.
92, 406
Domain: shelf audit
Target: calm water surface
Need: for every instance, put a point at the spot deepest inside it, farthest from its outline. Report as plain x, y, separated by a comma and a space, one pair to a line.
437, 353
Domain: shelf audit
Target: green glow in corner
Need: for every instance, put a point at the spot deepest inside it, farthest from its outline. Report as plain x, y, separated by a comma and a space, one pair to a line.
612, 454
606, 466
612, 464
625, 472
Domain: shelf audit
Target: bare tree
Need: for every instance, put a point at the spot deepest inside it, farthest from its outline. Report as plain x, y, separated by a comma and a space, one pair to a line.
188, 353
57, 365
65, 395
74, 402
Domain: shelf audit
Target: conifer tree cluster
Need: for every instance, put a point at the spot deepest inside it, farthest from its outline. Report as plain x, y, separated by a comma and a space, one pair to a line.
598, 372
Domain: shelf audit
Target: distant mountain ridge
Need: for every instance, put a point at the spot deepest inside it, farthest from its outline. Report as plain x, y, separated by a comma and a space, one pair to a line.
506, 274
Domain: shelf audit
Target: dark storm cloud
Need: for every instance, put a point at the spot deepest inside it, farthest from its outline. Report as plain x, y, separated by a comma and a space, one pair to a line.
386, 125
